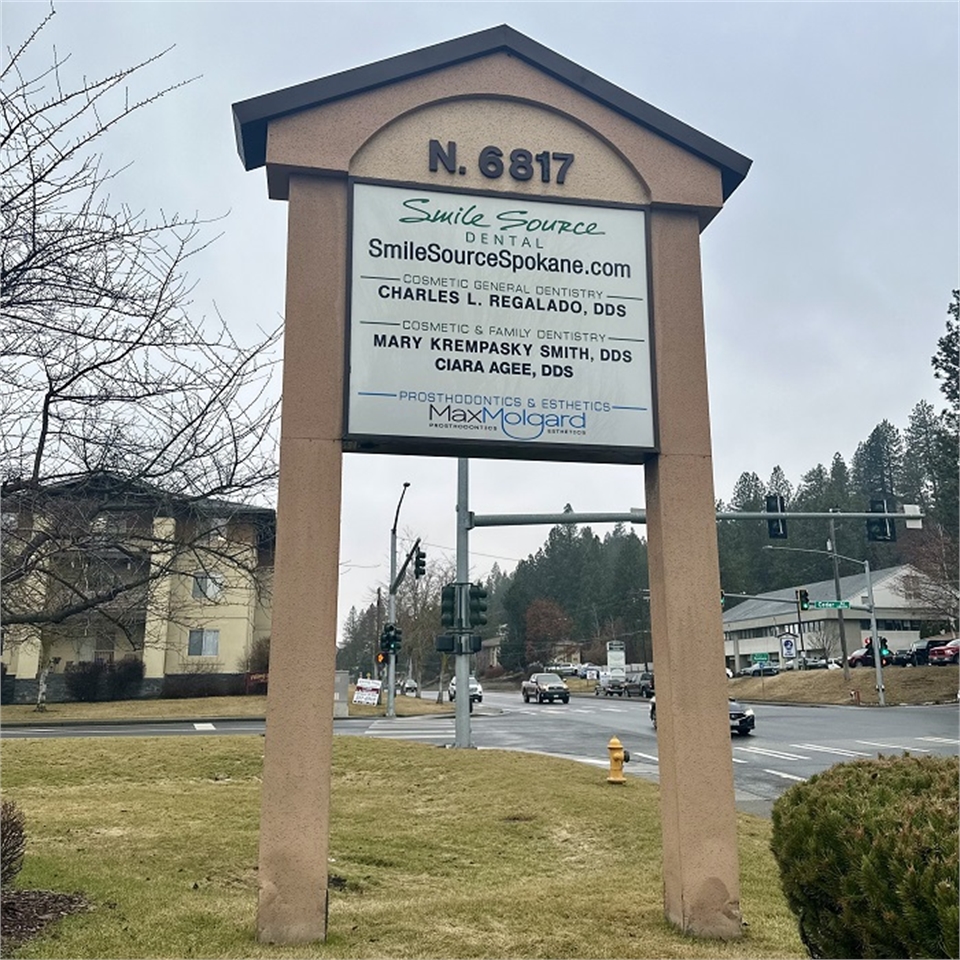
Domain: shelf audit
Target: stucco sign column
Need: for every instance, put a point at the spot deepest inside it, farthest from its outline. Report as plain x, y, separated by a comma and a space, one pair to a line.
492, 253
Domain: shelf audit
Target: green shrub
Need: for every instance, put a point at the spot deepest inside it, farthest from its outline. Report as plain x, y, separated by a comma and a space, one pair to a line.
868, 857
13, 841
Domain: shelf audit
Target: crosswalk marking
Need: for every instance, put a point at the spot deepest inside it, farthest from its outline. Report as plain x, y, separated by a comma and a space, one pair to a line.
204, 726
938, 740
837, 751
892, 746
785, 776
777, 754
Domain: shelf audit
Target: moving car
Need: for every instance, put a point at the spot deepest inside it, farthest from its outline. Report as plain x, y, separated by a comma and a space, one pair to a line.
544, 687
948, 653
864, 656
476, 691
562, 669
742, 719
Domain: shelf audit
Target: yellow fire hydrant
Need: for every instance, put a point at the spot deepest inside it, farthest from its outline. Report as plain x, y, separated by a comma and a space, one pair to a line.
618, 757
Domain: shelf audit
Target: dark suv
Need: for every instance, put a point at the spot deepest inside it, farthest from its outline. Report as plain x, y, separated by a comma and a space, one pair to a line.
920, 650
639, 684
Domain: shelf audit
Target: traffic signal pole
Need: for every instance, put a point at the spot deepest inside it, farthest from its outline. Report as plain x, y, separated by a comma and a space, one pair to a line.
461, 651
392, 607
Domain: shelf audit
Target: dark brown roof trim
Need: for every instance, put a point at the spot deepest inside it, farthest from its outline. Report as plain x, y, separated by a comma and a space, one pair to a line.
250, 117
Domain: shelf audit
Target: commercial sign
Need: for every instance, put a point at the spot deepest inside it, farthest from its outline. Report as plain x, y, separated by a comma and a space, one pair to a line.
367, 691
496, 325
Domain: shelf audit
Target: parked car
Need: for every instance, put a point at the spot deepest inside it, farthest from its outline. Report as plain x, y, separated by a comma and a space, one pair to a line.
584, 669
476, 691
759, 670
544, 688
948, 653
407, 687
902, 658
920, 650
864, 656
742, 719
639, 684
562, 669
610, 684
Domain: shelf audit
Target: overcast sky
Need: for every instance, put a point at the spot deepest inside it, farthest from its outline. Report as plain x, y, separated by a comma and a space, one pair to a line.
826, 277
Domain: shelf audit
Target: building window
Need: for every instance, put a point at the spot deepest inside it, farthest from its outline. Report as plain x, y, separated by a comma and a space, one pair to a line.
203, 643
103, 648
215, 530
207, 586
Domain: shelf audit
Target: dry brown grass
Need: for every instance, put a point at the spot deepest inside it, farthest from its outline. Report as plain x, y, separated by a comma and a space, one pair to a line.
902, 685
435, 854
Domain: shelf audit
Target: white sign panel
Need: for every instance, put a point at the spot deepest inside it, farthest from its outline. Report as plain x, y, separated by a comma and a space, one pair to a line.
367, 691
497, 320
788, 646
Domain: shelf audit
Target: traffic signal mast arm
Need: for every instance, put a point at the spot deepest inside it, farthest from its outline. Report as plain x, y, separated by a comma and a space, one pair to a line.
639, 515
406, 563
792, 601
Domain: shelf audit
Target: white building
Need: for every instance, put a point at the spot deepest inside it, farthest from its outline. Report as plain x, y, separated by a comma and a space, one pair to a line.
758, 625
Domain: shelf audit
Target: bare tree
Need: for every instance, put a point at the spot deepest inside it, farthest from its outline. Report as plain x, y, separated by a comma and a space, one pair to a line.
115, 399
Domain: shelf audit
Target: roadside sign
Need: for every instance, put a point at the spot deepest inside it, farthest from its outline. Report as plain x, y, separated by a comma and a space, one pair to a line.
831, 604
788, 647
759, 657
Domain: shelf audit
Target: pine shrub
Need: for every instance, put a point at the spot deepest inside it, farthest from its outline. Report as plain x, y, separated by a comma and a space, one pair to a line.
13, 841
868, 858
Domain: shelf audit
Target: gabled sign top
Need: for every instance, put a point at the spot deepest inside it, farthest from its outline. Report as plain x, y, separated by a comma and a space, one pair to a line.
252, 116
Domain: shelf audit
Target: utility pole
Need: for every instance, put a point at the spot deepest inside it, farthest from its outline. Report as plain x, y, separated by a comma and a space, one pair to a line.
832, 547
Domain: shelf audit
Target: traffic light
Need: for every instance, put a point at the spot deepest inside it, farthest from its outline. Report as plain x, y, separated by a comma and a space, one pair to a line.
419, 564
723, 599
776, 529
391, 638
473, 643
803, 599
381, 658
883, 529
445, 643
478, 605
448, 605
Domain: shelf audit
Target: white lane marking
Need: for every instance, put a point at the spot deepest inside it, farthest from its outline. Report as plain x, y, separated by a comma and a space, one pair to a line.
738, 760
892, 746
204, 726
937, 739
837, 751
408, 736
778, 754
785, 776
646, 756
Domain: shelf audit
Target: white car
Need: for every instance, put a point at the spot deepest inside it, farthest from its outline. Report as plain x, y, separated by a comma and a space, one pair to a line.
476, 691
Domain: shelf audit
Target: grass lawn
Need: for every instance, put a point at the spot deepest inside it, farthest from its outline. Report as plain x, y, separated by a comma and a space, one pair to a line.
434, 853
197, 708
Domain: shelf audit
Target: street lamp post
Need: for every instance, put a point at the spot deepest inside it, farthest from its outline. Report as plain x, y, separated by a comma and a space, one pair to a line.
875, 639
392, 606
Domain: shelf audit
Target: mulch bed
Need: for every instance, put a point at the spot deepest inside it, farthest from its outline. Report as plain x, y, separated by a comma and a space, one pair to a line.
24, 913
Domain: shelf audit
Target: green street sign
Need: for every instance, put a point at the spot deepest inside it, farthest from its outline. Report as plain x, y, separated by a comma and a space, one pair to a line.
831, 604
759, 657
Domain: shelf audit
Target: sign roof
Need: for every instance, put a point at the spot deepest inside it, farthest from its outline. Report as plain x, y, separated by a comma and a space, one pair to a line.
252, 116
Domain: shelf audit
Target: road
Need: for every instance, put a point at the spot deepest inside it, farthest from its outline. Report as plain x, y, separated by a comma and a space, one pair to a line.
790, 743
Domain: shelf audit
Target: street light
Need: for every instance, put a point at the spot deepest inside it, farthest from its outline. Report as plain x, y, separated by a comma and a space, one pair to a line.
873, 613
392, 604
